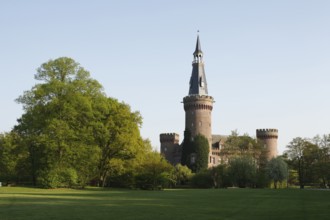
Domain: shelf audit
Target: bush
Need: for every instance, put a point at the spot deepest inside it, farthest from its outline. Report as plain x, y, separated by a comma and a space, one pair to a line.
202, 179
181, 175
154, 173
57, 178
242, 171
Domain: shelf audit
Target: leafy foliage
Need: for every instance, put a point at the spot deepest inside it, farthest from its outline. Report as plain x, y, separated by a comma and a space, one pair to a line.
71, 129
242, 171
182, 174
202, 179
195, 151
236, 145
277, 170
311, 159
154, 173
201, 151
187, 146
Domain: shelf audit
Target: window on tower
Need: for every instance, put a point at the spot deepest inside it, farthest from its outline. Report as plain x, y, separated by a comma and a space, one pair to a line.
201, 82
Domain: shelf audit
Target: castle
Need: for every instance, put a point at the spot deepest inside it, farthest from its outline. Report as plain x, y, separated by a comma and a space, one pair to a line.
198, 107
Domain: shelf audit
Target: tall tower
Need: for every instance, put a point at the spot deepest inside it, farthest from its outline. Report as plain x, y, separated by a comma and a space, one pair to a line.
198, 104
268, 138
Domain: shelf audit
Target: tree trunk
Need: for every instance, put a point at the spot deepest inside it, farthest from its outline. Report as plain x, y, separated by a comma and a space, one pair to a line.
301, 173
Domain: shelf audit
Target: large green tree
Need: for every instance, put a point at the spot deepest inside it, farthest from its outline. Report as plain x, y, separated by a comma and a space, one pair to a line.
71, 129
56, 123
303, 156
117, 134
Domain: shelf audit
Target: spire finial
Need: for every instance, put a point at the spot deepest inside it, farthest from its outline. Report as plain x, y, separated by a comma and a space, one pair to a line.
198, 50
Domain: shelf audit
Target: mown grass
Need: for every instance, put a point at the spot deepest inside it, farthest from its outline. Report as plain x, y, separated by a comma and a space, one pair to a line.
95, 203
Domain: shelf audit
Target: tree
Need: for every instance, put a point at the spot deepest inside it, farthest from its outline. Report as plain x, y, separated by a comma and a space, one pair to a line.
56, 124
242, 171
186, 148
295, 154
277, 170
219, 175
117, 134
195, 151
182, 174
200, 152
303, 156
10, 157
122, 172
322, 165
71, 128
154, 173
244, 145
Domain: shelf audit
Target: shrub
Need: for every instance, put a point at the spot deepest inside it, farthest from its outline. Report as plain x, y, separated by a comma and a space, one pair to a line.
202, 179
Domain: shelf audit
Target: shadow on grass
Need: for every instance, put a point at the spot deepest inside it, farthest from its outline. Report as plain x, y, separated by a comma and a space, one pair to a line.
94, 203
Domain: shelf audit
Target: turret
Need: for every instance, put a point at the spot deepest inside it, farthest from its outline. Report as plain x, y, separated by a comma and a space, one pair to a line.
170, 148
268, 137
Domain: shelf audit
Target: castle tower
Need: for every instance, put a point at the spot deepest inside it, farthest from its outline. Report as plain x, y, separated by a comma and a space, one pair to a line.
170, 148
198, 104
268, 138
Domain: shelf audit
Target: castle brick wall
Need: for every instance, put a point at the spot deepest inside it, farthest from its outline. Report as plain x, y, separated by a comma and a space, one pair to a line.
198, 115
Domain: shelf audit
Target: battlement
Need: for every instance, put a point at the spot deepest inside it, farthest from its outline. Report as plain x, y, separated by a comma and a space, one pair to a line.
267, 133
194, 98
195, 102
169, 137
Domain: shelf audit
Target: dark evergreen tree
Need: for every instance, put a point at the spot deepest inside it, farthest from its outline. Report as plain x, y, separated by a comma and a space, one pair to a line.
186, 148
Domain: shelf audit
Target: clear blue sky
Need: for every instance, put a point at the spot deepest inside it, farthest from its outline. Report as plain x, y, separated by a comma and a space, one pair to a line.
267, 63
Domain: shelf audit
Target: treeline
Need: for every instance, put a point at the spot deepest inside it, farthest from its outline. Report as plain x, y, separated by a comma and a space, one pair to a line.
306, 162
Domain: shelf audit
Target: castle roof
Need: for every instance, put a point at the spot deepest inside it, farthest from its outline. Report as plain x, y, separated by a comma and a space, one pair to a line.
216, 138
198, 84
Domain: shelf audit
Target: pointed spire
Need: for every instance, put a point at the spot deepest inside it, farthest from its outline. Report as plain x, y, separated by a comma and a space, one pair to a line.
198, 85
198, 50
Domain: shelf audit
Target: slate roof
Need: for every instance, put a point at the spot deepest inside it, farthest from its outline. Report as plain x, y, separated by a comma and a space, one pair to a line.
198, 84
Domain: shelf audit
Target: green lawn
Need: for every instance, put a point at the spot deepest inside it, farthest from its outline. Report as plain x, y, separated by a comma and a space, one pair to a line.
93, 203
